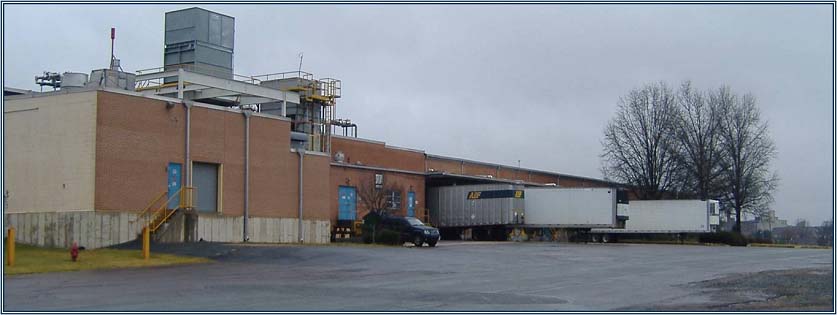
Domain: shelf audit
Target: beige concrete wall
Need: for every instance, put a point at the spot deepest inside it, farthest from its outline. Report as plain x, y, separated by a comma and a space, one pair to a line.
91, 229
50, 152
219, 228
96, 229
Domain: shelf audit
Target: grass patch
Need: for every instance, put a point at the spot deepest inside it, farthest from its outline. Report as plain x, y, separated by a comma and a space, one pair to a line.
31, 259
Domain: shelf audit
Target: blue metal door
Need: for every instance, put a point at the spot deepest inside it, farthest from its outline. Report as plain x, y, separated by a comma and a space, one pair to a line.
411, 204
347, 201
174, 184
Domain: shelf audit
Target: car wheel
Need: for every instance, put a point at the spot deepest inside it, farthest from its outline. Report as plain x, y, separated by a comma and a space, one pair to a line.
431, 244
418, 241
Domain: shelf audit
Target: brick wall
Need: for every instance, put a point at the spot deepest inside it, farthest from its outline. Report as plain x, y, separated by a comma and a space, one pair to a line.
137, 137
353, 177
377, 154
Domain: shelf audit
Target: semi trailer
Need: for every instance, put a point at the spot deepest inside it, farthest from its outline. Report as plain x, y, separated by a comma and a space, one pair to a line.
514, 212
478, 212
570, 207
663, 217
567, 214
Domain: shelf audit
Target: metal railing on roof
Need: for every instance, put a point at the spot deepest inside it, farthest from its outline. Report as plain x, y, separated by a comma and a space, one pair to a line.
328, 86
284, 75
201, 70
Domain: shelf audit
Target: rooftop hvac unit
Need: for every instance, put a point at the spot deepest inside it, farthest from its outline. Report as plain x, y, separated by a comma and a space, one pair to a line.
62, 81
73, 80
201, 41
112, 78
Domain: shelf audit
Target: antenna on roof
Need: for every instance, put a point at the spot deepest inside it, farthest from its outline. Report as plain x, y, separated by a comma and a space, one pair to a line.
114, 63
300, 62
112, 39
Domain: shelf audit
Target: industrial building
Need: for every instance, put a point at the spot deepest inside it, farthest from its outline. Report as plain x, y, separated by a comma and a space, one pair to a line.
200, 153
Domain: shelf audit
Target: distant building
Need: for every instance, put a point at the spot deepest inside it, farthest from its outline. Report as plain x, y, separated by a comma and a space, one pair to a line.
766, 222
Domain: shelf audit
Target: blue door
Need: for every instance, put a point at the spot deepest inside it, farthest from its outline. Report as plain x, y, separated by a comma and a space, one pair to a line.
411, 204
347, 201
174, 184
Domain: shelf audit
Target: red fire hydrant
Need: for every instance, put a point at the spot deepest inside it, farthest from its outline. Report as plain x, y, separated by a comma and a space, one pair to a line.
74, 251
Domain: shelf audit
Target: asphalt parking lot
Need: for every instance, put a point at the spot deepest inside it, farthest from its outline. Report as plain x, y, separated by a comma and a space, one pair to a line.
452, 276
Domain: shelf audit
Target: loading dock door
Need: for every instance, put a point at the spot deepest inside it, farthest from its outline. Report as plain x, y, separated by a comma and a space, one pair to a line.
411, 204
173, 184
205, 180
347, 202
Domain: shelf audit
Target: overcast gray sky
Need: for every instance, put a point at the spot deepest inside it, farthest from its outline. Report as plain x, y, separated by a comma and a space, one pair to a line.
502, 83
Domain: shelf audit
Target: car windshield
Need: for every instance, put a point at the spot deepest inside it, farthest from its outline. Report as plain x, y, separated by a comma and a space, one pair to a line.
414, 221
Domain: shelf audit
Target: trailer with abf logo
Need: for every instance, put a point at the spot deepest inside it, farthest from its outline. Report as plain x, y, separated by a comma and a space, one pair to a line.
475, 211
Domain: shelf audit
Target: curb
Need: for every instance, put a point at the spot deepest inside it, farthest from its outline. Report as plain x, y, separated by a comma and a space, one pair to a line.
788, 246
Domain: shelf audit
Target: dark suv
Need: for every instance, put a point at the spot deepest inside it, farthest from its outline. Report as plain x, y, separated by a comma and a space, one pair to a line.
411, 230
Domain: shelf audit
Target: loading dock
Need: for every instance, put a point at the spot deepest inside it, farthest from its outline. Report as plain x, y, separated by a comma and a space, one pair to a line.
205, 180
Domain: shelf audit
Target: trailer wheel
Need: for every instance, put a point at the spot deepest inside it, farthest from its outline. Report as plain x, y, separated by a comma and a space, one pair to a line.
605, 238
595, 238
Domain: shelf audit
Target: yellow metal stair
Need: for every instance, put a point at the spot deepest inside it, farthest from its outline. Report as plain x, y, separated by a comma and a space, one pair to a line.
158, 212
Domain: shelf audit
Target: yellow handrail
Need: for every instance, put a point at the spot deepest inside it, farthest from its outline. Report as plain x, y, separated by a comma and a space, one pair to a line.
162, 213
149, 206
157, 213
159, 222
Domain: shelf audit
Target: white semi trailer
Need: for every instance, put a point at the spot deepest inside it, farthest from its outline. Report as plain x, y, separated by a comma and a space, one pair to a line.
570, 207
567, 214
672, 217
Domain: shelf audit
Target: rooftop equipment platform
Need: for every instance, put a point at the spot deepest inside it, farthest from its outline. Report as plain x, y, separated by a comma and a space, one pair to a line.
198, 65
308, 102
189, 82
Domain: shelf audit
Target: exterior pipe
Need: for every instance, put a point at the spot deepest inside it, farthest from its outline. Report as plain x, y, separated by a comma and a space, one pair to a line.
188, 158
188, 107
247, 114
187, 174
301, 152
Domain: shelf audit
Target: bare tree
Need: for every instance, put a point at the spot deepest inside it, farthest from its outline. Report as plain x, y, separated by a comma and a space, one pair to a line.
638, 146
747, 150
698, 152
375, 198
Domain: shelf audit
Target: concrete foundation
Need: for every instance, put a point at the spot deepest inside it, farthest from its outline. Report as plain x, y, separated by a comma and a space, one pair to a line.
91, 229
96, 229
172, 231
215, 228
